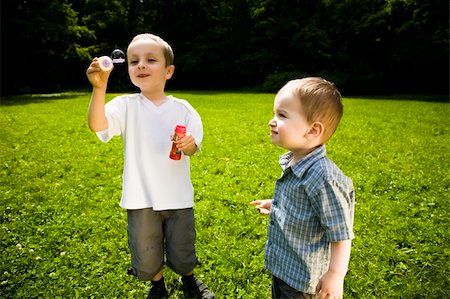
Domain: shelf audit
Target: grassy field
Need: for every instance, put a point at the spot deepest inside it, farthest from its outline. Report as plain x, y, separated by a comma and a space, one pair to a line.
63, 234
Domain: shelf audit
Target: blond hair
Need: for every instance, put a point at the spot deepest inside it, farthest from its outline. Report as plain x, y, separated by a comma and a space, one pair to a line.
167, 49
320, 101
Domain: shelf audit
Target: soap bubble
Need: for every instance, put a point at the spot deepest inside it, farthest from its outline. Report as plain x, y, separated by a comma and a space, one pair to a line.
118, 56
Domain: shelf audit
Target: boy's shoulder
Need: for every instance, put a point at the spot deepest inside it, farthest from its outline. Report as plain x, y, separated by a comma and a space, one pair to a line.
182, 102
327, 168
318, 169
179, 101
325, 172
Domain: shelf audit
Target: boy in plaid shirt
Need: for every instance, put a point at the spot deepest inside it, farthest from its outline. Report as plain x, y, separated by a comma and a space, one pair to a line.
311, 213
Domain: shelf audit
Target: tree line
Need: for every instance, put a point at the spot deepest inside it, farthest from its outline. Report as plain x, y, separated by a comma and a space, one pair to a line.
364, 46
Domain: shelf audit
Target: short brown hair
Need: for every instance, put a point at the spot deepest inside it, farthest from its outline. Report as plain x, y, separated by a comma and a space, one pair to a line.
167, 49
320, 101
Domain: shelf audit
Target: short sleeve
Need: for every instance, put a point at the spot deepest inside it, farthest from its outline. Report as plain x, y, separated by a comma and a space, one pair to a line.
193, 123
195, 127
103, 135
335, 204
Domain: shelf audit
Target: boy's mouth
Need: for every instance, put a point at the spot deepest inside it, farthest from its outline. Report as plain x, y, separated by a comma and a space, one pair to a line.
142, 75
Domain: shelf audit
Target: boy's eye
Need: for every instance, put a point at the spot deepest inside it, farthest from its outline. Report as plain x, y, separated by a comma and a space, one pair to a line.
151, 60
133, 62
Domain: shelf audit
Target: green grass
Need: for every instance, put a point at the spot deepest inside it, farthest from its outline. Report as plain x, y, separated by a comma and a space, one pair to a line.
63, 234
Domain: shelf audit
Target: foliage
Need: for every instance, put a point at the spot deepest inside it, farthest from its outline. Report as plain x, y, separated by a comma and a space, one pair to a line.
273, 82
63, 234
44, 40
373, 46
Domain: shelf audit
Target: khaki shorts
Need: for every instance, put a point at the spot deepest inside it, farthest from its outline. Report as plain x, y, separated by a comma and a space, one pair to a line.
150, 232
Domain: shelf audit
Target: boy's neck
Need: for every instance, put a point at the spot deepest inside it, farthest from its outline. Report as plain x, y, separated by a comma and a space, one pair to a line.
298, 155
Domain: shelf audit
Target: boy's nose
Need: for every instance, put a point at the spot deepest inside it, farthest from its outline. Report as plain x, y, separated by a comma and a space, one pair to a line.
272, 122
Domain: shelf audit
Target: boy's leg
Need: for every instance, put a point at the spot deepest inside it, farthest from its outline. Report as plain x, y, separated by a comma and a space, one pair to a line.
179, 230
180, 234
146, 242
281, 290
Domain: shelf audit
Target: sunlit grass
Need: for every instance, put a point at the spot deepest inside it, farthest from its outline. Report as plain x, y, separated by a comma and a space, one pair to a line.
63, 234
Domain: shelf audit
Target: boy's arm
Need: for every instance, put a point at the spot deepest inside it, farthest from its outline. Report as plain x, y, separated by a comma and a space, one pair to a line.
96, 115
99, 80
331, 285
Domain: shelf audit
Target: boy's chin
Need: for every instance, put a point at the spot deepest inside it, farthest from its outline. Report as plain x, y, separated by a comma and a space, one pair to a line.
275, 142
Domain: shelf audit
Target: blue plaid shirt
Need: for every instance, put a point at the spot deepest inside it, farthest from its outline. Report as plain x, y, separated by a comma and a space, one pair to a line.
313, 205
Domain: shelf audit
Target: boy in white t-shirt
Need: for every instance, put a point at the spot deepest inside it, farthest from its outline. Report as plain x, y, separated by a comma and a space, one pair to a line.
157, 191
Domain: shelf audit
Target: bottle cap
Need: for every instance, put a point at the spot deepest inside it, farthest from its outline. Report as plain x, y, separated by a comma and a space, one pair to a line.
180, 129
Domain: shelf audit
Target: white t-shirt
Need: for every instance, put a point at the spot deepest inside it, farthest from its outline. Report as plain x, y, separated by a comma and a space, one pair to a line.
150, 177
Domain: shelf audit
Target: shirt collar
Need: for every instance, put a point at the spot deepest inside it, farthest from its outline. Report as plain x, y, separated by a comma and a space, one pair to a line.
301, 166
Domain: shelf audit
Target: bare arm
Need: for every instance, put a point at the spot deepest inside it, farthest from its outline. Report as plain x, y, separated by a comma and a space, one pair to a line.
99, 79
96, 115
331, 285
340, 257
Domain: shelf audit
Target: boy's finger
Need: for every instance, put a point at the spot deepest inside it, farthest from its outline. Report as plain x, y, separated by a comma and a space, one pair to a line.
263, 211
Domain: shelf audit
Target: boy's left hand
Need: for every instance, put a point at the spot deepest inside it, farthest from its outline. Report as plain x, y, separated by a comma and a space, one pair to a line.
330, 286
263, 206
187, 144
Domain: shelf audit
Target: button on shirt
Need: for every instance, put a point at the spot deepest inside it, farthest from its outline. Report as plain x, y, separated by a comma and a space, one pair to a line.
313, 205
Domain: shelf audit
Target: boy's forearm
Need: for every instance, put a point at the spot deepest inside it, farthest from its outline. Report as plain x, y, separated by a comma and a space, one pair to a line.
96, 116
340, 257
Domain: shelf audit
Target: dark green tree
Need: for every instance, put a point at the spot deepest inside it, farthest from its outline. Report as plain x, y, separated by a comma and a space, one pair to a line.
42, 46
364, 46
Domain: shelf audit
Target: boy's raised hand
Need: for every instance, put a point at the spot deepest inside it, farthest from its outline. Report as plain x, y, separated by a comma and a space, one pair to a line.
96, 75
263, 206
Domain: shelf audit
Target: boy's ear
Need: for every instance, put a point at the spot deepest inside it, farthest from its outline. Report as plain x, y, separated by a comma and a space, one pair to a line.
316, 130
169, 72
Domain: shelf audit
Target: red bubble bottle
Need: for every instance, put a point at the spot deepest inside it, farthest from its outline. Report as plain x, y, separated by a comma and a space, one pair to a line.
175, 153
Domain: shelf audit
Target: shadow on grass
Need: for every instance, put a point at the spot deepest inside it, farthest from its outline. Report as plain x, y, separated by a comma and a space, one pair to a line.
25, 99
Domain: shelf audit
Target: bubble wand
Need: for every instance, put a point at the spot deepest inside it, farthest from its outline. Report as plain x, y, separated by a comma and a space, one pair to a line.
106, 63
